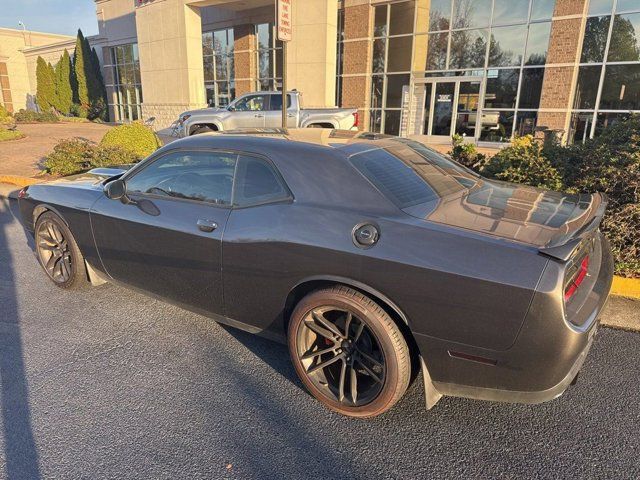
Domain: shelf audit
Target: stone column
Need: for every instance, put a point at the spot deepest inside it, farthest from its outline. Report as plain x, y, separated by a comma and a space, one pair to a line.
560, 77
356, 82
170, 48
311, 56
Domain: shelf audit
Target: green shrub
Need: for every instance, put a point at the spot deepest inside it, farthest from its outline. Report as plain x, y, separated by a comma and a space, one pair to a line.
465, 153
10, 135
5, 117
523, 162
135, 137
30, 116
72, 156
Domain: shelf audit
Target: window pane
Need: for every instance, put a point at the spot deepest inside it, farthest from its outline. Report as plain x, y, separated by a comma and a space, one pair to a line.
595, 39
625, 38
221, 67
265, 68
526, 123
207, 43
507, 46
379, 55
587, 87
208, 69
401, 18
502, 86
627, 5
264, 36
377, 82
531, 89
375, 121
606, 120
443, 108
580, 127
204, 176
538, 43
621, 88
437, 51
439, 14
468, 48
471, 13
400, 54
468, 97
542, 9
257, 182
275, 102
510, 11
600, 7
380, 21
496, 126
220, 42
278, 70
392, 122
394, 90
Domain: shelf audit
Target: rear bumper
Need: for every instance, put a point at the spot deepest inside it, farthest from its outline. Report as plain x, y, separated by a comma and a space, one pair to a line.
543, 361
515, 396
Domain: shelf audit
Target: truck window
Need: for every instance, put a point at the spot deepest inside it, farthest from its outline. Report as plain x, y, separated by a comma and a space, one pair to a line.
252, 103
276, 102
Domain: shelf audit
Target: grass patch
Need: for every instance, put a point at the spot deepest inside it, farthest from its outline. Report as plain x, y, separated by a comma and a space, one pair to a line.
10, 135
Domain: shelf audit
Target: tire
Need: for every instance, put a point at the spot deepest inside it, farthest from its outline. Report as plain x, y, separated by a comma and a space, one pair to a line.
369, 344
56, 246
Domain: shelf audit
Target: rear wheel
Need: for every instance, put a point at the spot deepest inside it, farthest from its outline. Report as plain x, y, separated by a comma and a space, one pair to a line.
348, 352
58, 252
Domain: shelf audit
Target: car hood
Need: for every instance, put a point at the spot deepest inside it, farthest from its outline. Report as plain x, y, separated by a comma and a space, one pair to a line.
529, 215
93, 179
203, 111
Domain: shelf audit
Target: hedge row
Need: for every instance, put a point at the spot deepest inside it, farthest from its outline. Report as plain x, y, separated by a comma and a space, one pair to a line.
609, 163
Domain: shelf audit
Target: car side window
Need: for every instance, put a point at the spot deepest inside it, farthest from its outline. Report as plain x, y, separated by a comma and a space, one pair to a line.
257, 182
275, 102
252, 103
191, 175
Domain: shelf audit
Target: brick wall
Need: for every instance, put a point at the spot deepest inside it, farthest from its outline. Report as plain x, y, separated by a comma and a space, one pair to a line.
244, 58
567, 31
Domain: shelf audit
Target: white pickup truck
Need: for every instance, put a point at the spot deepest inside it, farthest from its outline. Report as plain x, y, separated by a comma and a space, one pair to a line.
264, 110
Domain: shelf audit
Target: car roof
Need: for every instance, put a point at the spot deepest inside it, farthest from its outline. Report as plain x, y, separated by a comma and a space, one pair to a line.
255, 140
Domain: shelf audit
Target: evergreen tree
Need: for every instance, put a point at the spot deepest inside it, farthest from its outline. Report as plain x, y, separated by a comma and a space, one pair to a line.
45, 88
80, 60
63, 83
53, 100
101, 89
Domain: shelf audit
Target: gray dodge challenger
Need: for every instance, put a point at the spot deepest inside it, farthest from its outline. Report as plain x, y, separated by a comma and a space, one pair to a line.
374, 258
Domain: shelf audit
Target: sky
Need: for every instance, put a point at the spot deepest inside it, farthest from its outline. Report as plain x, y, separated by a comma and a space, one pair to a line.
51, 16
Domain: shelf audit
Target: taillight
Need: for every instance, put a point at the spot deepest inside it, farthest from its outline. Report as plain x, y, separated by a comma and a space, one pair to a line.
356, 119
22, 193
576, 279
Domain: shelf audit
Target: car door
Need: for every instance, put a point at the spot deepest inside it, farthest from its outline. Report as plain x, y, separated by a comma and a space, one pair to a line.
165, 236
248, 112
273, 117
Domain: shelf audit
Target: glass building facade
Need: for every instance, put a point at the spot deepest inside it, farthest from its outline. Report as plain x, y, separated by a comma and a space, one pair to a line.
492, 69
123, 83
219, 71
608, 85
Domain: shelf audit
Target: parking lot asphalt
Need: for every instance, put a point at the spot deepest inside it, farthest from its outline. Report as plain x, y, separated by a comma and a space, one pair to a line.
108, 383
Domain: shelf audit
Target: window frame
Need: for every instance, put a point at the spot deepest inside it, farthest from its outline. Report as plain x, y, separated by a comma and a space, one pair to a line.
140, 167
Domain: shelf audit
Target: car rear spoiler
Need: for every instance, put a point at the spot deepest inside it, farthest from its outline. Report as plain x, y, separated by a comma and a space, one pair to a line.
562, 248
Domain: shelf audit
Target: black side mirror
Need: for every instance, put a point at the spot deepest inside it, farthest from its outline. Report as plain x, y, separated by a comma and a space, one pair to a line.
115, 190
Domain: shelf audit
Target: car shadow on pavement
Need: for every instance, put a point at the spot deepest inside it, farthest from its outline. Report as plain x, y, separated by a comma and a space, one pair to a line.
20, 452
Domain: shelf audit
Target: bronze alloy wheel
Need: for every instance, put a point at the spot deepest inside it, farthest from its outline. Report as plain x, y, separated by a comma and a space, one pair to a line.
348, 352
58, 252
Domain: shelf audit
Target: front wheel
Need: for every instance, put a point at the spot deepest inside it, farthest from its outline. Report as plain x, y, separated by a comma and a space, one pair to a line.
348, 352
58, 252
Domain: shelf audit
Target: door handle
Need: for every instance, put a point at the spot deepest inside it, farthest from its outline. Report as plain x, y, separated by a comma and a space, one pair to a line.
291, 115
206, 225
259, 115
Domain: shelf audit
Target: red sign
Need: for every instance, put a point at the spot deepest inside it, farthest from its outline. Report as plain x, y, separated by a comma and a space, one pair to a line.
283, 20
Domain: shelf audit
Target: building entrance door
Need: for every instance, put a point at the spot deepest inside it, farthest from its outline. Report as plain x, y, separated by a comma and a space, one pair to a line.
450, 106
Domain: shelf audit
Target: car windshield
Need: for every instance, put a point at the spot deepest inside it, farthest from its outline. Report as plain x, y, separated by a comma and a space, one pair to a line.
409, 173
